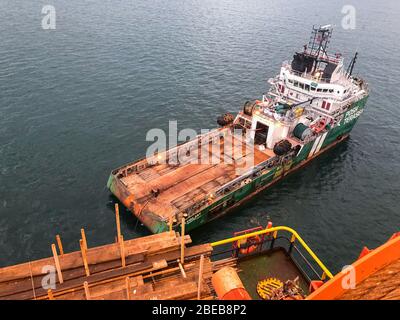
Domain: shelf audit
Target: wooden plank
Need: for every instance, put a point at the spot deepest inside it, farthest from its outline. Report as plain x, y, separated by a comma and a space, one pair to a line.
122, 250
136, 281
183, 291
21, 285
111, 282
84, 257
200, 276
107, 278
50, 294
190, 253
139, 292
57, 263
95, 255
182, 270
182, 260
77, 283
128, 288
24, 284
83, 235
115, 287
87, 292
117, 221
113, 290
60, 246
170, 222
117, 290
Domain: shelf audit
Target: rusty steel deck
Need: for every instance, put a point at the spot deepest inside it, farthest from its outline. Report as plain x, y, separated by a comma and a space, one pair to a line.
180, 185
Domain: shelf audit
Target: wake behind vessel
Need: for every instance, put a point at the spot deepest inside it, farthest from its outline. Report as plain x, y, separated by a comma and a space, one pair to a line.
311, 106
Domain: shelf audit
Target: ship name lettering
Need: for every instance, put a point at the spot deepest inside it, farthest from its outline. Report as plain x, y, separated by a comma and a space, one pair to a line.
352, 114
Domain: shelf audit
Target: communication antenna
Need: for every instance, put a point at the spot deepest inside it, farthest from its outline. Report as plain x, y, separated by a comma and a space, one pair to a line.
352, 63
319, 40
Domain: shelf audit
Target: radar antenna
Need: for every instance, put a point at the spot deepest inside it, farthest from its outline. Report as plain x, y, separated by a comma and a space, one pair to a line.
318, 44
319, 40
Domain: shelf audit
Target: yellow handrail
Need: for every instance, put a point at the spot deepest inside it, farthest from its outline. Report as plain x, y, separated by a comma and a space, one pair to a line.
276, 229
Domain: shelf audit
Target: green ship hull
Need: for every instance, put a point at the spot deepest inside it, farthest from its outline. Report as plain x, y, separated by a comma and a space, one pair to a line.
245, 192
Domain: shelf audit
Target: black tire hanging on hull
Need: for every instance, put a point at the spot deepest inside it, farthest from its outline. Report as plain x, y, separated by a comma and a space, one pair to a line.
225, 119
282, 147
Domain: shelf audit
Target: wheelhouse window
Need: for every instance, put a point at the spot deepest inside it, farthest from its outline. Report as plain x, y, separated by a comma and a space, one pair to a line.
326, 105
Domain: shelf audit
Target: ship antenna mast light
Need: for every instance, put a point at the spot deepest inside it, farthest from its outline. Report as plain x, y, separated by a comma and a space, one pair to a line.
319, 40
318, 44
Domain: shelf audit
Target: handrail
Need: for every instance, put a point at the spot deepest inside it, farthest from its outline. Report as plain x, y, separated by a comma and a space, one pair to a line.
275, 230
227, 188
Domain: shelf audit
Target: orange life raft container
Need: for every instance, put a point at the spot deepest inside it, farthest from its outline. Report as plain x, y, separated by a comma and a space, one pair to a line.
319, 126
228, 286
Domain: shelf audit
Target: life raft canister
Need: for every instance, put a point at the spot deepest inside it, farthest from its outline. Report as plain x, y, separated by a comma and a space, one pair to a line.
319, 126
228, 286
251, 244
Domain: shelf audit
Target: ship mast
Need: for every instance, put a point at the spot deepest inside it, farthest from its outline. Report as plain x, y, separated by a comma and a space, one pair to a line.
318, 44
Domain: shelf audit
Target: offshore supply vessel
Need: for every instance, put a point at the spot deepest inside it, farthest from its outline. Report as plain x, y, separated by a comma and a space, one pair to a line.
312, 104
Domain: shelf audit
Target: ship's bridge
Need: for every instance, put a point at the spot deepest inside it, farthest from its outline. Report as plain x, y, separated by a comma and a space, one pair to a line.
300, 86
321, 68
313, 73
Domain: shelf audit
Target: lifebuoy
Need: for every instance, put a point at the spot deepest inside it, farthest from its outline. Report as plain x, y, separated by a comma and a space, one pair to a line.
251, 245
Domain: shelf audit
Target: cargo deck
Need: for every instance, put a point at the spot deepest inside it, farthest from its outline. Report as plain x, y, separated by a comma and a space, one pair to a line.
166, 188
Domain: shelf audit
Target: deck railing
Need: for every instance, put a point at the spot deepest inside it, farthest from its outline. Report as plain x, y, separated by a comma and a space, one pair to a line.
304, 75
236, 183
230, 186
166, 155
274, 232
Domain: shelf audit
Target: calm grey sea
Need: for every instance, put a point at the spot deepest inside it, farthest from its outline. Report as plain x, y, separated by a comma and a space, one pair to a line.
77, 101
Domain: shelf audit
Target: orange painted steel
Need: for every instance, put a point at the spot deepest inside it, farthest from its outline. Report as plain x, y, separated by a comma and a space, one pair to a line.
228, 285
363, 267
251, 245
237, 294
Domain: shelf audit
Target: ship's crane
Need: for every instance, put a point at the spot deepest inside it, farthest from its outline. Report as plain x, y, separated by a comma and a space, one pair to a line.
283, 107
303, 102
352, 63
